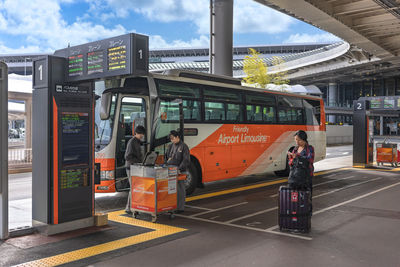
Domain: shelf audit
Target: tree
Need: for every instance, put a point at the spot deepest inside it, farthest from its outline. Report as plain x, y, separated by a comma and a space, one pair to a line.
279, 76
255, 69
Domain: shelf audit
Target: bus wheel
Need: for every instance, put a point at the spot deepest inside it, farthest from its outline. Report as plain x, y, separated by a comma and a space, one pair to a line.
284, 172
192, 178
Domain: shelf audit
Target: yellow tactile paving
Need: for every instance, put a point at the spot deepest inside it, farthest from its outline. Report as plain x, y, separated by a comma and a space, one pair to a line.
159, 231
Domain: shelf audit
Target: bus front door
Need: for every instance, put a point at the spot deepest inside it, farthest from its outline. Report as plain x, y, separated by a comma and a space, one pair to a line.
169, 116
132, 114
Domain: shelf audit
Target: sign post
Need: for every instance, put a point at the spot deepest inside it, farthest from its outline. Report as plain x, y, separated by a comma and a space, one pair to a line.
63, 126
3, 151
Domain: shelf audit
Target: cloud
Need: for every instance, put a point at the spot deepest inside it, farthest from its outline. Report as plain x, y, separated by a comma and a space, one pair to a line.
156, 42
252, 17
249, 16
41, 21
312, 38
19, 50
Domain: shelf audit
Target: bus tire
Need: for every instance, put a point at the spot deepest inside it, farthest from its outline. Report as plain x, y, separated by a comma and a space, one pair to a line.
192, 178
284, 172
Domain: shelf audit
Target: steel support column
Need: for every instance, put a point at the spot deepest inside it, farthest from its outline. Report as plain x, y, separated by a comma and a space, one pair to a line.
221, 37
3, 151
332, 99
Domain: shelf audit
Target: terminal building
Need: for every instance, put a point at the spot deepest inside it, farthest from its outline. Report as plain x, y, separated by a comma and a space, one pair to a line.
342, 72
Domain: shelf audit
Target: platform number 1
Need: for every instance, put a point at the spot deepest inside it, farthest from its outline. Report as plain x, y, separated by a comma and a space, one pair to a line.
140, 54
40, 69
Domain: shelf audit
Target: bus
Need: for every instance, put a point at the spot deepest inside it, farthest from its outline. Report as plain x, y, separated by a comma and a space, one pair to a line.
231, 130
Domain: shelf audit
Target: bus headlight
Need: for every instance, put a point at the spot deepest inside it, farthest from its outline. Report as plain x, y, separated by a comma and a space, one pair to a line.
107, 175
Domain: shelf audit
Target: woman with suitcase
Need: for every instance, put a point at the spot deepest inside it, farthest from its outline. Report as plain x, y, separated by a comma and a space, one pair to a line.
295, 207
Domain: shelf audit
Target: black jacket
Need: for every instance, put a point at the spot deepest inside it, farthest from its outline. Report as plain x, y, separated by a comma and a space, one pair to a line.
133, 153
178, 155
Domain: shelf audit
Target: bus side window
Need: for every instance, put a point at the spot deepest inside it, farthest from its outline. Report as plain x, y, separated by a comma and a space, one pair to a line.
214, 111
312, 111
191, 110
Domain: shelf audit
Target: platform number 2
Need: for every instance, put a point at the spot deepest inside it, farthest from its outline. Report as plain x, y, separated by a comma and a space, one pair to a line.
359, 106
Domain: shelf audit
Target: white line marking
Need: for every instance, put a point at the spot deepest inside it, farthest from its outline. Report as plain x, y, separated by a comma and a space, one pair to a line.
196, 207
227, 207
252, 214
215, 217
317, 196
332, 181
327, 182
245, 227
345, 187
344, 203
345, 153
357, 198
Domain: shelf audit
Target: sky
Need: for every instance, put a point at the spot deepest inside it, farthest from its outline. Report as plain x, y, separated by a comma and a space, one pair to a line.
43, 26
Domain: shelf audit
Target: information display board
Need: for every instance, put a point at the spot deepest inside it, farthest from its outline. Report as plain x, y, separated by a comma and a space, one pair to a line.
73, 178
388, 103
122, 55
75, 138
376, 103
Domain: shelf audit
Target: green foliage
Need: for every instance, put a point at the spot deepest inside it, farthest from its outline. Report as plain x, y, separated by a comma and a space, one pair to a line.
279, 77
255, 69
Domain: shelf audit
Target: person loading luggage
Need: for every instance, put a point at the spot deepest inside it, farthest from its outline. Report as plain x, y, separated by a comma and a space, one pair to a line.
178, 155
133, 154
301, 162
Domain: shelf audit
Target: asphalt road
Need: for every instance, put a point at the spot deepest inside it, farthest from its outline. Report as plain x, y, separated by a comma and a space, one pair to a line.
20, 190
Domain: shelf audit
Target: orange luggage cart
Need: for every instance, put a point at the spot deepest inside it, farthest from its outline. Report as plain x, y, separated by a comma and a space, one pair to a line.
387, 153
153, 191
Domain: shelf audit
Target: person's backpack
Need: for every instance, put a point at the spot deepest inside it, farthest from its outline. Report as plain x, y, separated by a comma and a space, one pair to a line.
299, 173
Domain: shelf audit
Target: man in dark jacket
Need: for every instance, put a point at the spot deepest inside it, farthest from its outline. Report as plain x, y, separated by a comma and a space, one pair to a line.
133, 154
178, 155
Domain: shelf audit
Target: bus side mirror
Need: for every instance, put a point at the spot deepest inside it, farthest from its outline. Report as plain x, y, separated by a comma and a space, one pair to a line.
105, 106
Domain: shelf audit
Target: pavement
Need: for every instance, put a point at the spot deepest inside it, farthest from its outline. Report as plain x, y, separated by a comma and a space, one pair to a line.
234, 223
20, 188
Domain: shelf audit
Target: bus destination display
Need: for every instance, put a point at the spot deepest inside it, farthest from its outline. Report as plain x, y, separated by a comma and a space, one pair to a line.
75, 65
75, 138
117, 58
72, 178
95, 62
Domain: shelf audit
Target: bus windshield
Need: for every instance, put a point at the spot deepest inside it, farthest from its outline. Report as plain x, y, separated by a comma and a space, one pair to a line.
103, 128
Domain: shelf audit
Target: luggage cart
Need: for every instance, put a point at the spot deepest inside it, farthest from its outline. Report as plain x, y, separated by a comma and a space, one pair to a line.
153, 191
387, 153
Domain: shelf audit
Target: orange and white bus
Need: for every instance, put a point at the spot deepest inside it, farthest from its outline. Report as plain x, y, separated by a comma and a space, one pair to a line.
231, 130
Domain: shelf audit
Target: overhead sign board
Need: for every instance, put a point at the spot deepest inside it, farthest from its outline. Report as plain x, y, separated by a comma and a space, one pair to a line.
122, 55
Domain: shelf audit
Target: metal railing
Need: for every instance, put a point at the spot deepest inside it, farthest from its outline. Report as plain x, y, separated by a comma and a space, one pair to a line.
20, 158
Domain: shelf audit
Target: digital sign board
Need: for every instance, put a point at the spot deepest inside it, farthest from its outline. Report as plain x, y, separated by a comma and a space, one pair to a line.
117, 58
75, 65
375, 103
122, 55
75, 138
95, 62
388, 103
72, 178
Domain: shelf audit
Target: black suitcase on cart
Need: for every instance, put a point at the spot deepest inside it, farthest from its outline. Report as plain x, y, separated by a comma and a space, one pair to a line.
294, 209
